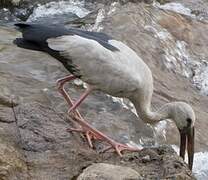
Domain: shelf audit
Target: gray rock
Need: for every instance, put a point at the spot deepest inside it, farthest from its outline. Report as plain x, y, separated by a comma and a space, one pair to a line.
15, 2
13, 164
6, 3
103, 171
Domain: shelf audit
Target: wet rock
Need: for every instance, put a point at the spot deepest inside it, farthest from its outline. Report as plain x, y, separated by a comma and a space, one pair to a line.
8, 101
6, 114
88, 20
104, 171
198, 7
162, 1
53, 153
9, 3
108, 2
57, 19
50, 150
15, 2
146, 158
135, 1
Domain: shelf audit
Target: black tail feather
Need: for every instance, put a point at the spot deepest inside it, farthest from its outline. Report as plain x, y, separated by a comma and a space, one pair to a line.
21, 26
20, 42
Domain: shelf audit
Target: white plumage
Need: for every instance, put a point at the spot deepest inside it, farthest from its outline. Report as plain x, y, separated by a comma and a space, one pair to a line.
117, 73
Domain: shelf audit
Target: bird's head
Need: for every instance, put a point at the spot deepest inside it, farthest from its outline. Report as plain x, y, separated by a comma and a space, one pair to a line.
179, 112
184, 117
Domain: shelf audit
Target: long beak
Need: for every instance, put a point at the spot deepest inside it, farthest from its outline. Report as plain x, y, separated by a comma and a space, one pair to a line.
187, 138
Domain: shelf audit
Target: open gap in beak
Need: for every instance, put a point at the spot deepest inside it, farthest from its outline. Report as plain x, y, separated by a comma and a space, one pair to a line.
187, 141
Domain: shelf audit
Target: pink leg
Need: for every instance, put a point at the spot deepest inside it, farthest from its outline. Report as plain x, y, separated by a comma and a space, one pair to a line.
89, 131
95, 134
61, 82
81, 99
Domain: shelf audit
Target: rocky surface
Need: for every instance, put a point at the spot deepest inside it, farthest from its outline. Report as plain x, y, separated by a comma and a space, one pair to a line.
104, 171
9, 3
198, 7
34, 140
13, 3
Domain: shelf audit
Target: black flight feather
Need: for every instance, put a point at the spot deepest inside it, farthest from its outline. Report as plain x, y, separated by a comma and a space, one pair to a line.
34, 37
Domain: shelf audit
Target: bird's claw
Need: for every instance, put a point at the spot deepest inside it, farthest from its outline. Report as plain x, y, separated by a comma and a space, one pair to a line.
118, 147
88, 134
72, 114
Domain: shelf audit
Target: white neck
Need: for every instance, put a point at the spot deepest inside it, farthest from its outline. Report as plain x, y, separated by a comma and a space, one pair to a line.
148, 116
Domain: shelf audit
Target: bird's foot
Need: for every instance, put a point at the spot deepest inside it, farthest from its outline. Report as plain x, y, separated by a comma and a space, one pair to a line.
88, 134
118, 147
93, 134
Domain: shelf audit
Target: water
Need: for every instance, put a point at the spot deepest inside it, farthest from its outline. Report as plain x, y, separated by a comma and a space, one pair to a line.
99, 19
176, 7
200, 79
61, 9
200, 165
6, 16
177, 57
52, 12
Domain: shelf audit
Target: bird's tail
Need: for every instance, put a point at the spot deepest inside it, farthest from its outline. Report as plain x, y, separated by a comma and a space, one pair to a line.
21, 26
20, 42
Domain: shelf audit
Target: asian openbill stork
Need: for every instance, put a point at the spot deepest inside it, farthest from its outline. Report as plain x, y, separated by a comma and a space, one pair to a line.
110, 66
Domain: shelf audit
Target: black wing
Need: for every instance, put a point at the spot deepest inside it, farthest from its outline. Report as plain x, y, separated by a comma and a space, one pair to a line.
34, 37
38, 34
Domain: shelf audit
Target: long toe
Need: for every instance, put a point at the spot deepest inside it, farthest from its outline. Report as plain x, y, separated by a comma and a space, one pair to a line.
90, 136
118, 147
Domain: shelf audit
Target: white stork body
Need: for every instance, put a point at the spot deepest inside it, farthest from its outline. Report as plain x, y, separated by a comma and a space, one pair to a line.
119, 73
110, 66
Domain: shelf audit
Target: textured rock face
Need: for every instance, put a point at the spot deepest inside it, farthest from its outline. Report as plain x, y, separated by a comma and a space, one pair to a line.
105, 171
11, 3
7, 3
12, 161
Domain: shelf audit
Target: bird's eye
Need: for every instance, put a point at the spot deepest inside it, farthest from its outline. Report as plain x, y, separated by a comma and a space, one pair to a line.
189, 121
